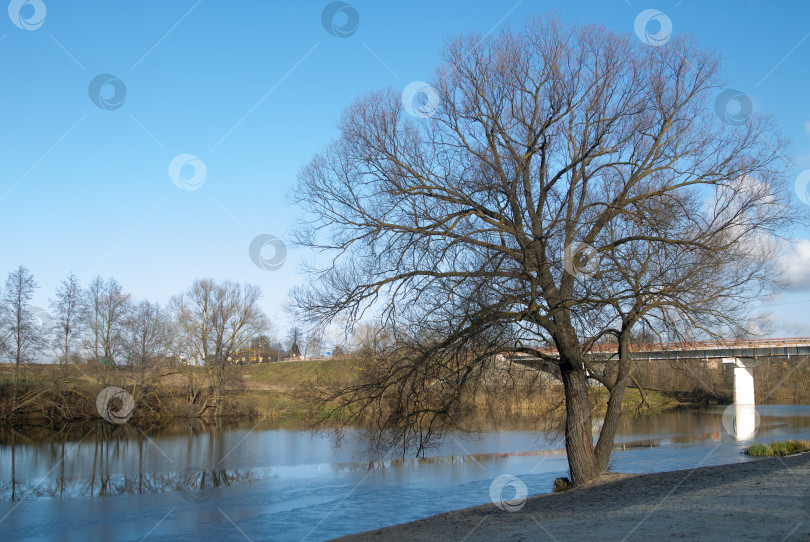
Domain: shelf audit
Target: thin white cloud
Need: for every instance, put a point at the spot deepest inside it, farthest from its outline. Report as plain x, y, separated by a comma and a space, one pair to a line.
797, 266
795, 329
787, 327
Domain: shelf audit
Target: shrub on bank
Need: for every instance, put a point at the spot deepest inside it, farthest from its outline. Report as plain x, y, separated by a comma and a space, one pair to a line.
759, 450
780, 448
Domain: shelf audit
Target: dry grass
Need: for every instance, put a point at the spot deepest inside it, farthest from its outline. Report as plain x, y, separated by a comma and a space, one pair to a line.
268, 390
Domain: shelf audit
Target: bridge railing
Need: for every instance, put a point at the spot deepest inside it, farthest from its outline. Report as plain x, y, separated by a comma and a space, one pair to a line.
696, 345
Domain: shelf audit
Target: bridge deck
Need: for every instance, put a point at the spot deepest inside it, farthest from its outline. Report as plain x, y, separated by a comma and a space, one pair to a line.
744, 348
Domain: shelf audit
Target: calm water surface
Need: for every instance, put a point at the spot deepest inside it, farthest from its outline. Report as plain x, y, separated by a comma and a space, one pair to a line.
277, 482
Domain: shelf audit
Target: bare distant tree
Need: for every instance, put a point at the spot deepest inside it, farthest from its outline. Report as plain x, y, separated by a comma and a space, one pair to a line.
5, 332
115, 307
313, 344
147, 334
91, 316
212, 322
294, 339
559, 186
19, 324
67, 309
371, 340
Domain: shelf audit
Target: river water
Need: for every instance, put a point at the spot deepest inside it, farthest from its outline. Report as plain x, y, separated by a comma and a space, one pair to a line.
275, 481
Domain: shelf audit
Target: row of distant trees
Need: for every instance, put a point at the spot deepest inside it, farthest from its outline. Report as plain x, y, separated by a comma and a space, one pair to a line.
216, 324
210, 323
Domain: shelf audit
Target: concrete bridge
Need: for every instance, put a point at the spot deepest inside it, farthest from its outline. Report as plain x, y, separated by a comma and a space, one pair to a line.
743, 355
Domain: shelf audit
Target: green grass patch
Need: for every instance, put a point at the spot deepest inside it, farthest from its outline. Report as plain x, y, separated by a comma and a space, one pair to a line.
271, 387
779, 448
292, 373
655, 400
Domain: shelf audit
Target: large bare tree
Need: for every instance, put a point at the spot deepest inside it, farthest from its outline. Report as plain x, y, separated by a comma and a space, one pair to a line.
557, 186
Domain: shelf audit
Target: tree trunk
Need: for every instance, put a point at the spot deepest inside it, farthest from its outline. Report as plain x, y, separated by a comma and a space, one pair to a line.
17, 359
604, 446
14, 390
578, 437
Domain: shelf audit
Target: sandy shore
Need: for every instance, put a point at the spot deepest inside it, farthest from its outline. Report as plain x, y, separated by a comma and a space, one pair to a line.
768, 499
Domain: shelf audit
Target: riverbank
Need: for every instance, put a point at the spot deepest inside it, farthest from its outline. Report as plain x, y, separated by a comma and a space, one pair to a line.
52, 395
767, 499
57, 394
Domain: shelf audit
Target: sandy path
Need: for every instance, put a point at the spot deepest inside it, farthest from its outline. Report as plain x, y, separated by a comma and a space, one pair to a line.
768, 499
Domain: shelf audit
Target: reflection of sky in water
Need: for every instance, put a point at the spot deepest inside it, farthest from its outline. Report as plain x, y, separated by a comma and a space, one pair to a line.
285, 483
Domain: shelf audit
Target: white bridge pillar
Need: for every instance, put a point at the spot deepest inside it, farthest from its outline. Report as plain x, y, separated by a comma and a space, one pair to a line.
745, 422
743, 381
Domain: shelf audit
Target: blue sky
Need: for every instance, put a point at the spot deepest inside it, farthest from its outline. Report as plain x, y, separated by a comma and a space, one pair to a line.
253, 89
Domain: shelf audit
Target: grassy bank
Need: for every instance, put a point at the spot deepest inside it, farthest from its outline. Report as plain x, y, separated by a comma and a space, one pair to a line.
58, 393
53, 394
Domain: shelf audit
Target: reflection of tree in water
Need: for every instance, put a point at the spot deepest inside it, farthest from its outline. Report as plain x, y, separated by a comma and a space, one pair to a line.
687, 426
416, 462
97, 456
106, 484
77, 431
